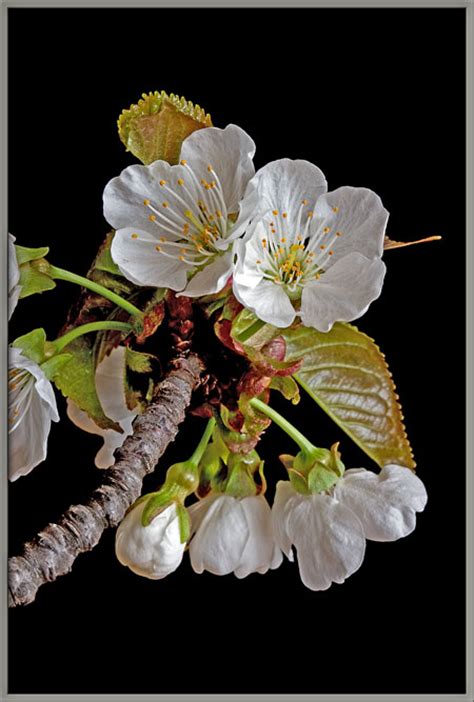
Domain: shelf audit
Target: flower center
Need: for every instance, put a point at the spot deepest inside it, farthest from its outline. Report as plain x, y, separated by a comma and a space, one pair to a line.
291, 254
20, 394
193, 220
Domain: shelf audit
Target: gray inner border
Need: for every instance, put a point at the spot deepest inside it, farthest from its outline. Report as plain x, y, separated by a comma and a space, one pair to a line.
469, 6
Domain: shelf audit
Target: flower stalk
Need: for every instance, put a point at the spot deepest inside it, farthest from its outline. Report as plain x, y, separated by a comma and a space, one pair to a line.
307, 448
61, 342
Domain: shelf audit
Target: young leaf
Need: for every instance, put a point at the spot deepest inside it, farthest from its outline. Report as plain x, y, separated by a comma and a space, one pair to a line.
156, 127
346, 374
76, 380
138, 361
33, 345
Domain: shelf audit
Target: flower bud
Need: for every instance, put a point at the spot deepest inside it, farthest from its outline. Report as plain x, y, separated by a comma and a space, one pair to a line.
153, 551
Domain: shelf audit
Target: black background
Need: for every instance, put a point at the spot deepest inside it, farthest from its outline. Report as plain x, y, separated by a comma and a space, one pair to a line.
375, 98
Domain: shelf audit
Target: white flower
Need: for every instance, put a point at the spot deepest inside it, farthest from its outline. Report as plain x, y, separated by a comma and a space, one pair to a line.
153, 551
176, 224
31, 407
329, 530
14, 288
232, 535
109, 382
309, 252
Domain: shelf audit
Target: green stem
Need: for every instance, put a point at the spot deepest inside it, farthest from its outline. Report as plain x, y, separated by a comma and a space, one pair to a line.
250, 331
61, 274
305, 445
201, 447
66, 339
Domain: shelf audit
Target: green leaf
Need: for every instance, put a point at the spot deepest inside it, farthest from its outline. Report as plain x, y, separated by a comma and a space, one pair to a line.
156, 127
33, 280
77, 381
347, 375
25, 254
53, 365
33, 345
138, 361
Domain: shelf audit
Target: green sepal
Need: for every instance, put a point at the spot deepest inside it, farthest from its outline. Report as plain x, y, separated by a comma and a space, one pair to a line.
241, 467
287, 386
53, 365
25, 254
34, 278
157, 125
156, 503
321, 479
184, 521
104, 261
33, 345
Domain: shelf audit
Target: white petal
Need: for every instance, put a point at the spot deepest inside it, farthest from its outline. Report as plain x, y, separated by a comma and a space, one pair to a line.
27, 442
246, 253
230, 152
329, 541
13, 297
260, 552
386, 504
268, 301
125, 195
221, 537
13, 269
283, 185
285, 498
210, 279
360, 219
343, 293
153, 551
198, 510
141, 263
110, 375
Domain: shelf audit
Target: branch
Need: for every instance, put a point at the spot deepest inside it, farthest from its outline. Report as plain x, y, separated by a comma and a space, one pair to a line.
53, 551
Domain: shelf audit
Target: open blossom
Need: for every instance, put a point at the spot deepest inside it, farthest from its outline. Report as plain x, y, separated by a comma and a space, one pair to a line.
176, 225
232, 535
329, 530
309, 252
14, 288
109, 382
153, 551
31, 408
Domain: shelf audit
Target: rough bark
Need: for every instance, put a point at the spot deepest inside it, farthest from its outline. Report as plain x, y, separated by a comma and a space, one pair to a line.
53, 551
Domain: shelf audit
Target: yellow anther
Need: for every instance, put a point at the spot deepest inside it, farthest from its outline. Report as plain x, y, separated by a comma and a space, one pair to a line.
304, 202
134, 236
162, 238
210, 168
299, 238
322, 247
258, 260
310, 214
326, 230
183, 162
330, 253
182, 251
338, 233
285, 215
275, 212
181, 258
146, 202
180, 181
158, 247
317, 276
165, 204
162, 182
218, 213
264, 243
152, 218
283, 239
335, 209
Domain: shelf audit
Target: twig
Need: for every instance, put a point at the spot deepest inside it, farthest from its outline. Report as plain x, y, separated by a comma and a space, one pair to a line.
53, 551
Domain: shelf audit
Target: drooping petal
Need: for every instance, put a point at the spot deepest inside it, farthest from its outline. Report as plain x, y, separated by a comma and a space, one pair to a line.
153, 551
387, 503
30, 420
229, 152
268, 301
329, 540
109, 380
220, 540
136, 254
211, 278
260, 552
284, 184
343, 293
356, 223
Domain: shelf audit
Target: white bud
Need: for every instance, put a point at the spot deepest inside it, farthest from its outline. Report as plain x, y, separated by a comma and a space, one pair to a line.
153, 551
